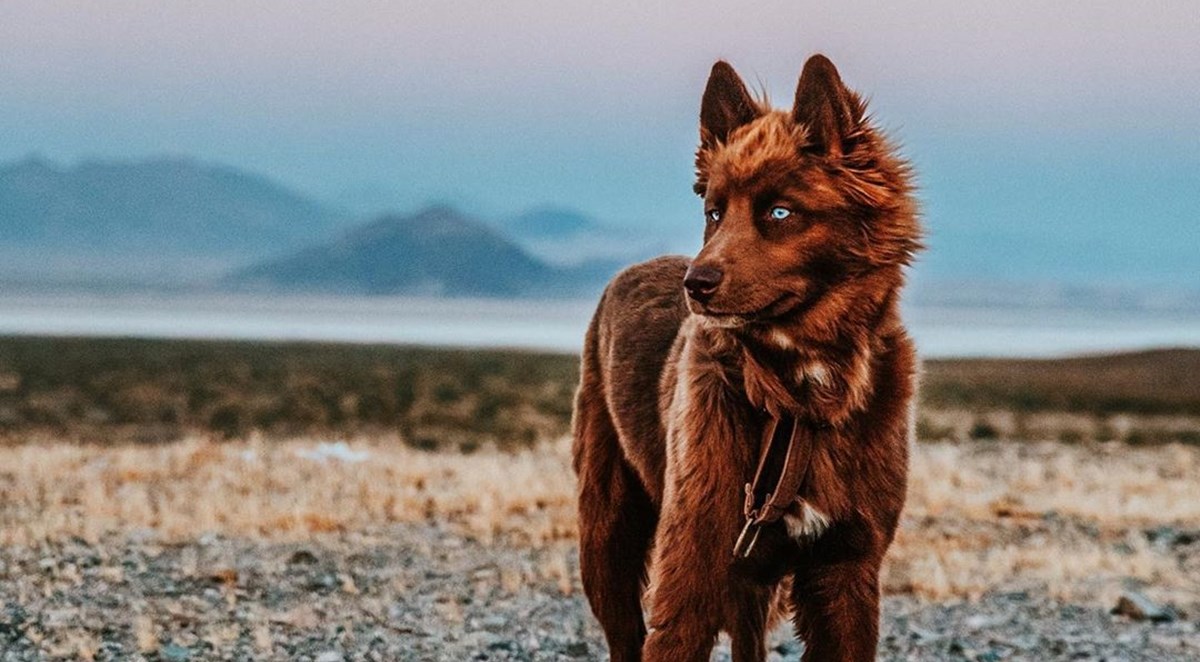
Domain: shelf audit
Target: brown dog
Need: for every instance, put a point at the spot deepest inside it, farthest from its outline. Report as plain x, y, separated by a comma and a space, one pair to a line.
790, 321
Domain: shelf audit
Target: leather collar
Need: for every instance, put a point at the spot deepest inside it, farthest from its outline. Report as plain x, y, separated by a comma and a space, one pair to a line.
784, 462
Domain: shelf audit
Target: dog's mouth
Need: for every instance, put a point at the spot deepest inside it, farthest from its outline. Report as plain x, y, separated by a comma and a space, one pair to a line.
782, 306
723, 321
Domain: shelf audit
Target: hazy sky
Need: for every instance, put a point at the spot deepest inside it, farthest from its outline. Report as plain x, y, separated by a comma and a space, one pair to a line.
1038, 127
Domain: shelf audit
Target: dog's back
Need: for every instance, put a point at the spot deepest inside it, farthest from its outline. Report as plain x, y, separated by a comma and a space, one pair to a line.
626, 349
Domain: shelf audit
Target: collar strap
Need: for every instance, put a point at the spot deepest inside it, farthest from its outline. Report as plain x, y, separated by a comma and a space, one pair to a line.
785, 457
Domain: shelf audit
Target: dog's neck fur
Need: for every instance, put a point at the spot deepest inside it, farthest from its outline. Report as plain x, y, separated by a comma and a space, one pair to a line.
817, 363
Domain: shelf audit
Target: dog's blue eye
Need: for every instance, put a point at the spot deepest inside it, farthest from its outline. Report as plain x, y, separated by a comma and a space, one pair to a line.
714, 215
780, 213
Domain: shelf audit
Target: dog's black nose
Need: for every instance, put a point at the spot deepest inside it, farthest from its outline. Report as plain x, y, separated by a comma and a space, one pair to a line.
701, 281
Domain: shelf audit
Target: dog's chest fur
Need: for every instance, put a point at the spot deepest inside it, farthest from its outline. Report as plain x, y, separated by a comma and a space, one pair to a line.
735, 380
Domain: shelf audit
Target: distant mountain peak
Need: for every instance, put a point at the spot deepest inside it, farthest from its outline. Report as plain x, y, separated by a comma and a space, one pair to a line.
159, 209
32, 161
438, 210
32, 167
437, 251
550, 222
437, 222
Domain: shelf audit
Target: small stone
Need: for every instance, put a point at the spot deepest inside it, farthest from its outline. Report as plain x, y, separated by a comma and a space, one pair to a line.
329, 656
55, 618
12, 625
1021, 643
324, 582
1140, 608
223, 575
494, 622
481, 640
919, 634
1162, 535
302, 557
502, 645
577, 649
978, 622
175, 653
483, 573
1185, 538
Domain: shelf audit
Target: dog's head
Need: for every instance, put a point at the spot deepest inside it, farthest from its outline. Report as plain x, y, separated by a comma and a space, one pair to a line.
797, 203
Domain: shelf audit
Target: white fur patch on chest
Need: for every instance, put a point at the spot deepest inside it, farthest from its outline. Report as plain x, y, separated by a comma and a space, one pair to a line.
809, 523
782, 339
817, 372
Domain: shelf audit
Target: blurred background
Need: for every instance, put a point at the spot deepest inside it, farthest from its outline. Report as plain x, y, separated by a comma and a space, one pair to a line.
292, 294
249, 169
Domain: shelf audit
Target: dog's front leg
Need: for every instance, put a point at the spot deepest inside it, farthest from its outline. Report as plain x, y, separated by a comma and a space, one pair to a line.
695, 592
688, 587
835, 597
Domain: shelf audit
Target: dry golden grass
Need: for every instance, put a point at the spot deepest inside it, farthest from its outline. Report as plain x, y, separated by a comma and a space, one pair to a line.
1069, 519
250, 489
1064, 518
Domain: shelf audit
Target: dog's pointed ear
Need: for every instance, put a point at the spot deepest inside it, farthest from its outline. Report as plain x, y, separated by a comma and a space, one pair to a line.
831, 112
726, 105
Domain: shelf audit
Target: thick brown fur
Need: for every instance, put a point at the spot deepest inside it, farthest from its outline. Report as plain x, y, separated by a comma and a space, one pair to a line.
675, 390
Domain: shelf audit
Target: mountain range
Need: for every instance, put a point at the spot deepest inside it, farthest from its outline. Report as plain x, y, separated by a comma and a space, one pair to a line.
131, 218
182, 223
435, 252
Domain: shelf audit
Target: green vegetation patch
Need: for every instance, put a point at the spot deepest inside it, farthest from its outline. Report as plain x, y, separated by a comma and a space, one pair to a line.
1162, 382
104, 390
111, 390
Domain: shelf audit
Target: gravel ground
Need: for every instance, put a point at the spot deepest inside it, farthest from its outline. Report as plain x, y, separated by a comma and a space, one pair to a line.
425, 593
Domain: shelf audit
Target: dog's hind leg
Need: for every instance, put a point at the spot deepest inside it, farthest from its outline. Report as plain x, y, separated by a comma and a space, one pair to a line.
616, 526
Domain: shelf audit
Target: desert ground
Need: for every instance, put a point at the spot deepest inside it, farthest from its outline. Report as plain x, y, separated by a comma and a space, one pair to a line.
173, 501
